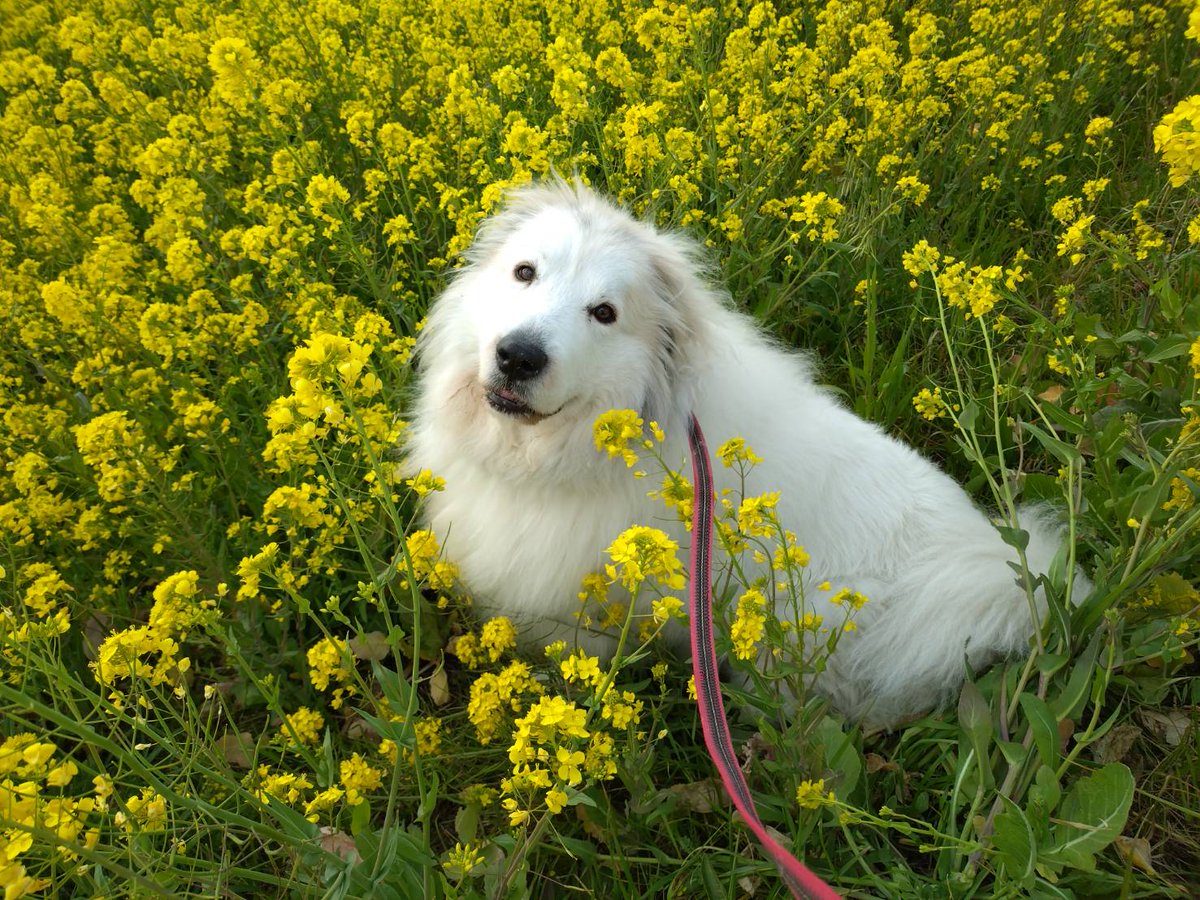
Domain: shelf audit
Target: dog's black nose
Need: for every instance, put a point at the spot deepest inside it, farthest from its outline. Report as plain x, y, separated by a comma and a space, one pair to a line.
520, 356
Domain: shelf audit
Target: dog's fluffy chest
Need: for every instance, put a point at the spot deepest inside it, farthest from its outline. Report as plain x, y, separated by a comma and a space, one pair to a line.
523, 548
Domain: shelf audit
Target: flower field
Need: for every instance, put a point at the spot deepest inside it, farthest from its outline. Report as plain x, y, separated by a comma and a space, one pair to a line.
232, 662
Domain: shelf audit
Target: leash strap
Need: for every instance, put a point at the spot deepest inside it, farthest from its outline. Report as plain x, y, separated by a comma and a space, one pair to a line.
802, 882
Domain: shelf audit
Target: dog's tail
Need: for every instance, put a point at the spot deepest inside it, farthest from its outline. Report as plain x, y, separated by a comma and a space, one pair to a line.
944, 613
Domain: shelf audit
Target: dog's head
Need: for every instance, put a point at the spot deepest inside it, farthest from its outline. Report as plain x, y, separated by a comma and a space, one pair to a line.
567, 307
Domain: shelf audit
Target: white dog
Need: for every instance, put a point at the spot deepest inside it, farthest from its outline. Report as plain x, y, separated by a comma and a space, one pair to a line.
569, 307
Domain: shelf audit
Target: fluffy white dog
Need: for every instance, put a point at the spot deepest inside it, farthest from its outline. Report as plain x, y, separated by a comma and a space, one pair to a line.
569, 307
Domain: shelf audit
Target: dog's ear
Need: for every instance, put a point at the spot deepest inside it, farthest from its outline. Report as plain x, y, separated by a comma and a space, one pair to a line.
685, 304
668, 341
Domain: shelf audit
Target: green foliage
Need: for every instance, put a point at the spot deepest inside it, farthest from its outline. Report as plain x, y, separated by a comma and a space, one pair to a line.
231, 662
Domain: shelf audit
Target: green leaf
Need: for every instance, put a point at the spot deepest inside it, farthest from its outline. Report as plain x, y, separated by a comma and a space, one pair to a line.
1015, 753
1169, 348
1060, 450
1014, 537
975, 715
466, 822
1044, 725
1014, 843
1149, 498
975, 718
966, 419
1062, 418
1090, 818
841, 756
360, 817
1045, 791
1069, 703
1049, 663
1168, 298
396, 688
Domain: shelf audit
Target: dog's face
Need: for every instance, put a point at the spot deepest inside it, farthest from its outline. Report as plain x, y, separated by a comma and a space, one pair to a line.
567, 307
563, 318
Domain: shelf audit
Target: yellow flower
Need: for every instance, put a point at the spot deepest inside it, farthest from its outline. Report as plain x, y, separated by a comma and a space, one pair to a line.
756, 515
851, 599
736, 450
497, 637
235, 71
623, 709
1097, 128
819, 212
305, 724
665, 608
462, 860
749, 624
641, 553
579, 667
555, 800
912, 188
812, 795
147, 811
614, 430
930, 404
789, 554
328, 666
323, 802
425, 482
288, 787
358, 777
920, 260
568, 763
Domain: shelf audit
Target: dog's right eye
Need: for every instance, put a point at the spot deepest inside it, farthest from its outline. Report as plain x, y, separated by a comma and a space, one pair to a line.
524, 272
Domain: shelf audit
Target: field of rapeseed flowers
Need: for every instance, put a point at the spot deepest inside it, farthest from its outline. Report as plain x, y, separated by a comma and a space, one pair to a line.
232, 663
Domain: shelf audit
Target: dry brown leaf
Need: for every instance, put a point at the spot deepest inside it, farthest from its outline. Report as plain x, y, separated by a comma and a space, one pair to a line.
750, 884
594, 831
1115, 745
95, 630
1169, 725
1052, 393
1066, 728
1136, 852
358, 729
699, 796
876, 763
236, 749
338, 843
439, 687
373, 646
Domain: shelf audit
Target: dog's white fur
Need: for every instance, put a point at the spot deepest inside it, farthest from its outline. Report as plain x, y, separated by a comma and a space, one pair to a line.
530, 505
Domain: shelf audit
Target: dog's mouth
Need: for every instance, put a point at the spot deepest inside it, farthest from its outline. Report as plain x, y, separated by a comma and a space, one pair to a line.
510, 403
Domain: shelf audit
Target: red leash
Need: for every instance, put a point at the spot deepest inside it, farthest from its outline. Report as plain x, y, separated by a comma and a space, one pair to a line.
802, 882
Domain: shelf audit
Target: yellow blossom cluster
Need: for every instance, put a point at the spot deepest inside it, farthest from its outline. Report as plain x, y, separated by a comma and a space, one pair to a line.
220, 229
931, 404
975, 290
640, 554
495, 638
148, 655
32, 780
613, 432
1177, 139
330, 669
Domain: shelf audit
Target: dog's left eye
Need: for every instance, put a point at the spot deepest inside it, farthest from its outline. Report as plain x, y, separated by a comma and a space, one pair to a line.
524, 272
603, 313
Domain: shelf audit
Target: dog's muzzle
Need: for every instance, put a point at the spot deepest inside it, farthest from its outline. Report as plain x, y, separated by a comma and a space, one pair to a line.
520, 356
506, 400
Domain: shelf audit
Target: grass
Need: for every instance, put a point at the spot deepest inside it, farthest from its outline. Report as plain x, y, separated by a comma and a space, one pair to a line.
231, 662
